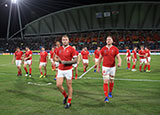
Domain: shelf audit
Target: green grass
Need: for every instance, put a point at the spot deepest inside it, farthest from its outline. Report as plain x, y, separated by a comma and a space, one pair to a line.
130, 97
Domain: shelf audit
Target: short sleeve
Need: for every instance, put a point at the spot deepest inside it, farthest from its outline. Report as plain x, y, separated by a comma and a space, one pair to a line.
101, 51
139, 52
117, 51
74, 53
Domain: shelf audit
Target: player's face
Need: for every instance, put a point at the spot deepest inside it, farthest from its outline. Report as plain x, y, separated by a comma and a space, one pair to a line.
52, 49
98, 48
42, 49
146, 48
58, 44
109, 40
142, 47
65, 41
18, 49
85, 49
135, 49
27, 49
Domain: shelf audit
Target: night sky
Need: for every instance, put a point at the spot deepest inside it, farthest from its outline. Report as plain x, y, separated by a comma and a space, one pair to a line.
33, 9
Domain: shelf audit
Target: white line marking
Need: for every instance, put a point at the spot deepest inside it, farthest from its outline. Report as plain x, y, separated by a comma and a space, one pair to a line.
38, 84
86, 72
122, 79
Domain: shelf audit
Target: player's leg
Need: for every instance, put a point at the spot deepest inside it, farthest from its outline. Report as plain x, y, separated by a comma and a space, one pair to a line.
146, 64
45, 70
30, 68
111, 80
25, 68
59, 84
128, 63
84, 67
70, 90
140, 65
40, 69
76, 72
134, 65
105, 73
95, 67
68, 76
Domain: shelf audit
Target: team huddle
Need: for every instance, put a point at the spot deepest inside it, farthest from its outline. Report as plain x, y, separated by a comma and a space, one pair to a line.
144, 55
64, 58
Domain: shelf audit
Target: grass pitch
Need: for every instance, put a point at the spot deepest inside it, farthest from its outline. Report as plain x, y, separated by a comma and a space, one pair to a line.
129, 97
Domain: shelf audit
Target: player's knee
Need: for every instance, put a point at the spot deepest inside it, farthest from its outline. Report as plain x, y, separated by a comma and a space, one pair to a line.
59, 85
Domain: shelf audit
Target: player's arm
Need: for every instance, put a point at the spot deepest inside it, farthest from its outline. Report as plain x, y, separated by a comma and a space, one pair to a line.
93, 56
28, 57
49, 56
78, 59
56, 58
99, 62
13, 59
126, 55
47, 59
70, 62
119, 60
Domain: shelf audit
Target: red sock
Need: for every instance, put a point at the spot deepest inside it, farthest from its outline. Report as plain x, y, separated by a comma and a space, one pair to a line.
140, 67
52, 67
111, 87
30, 70
64, 94
44, 74
149, 67
129, 64
133, 67
105, 87
145, 67
20, 71
95, 66
69, 100
25, 69
41, 73
76, 75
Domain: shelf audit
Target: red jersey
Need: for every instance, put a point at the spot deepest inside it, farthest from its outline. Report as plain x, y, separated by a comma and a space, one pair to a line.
43, 56
27, 54
128, 53
18, 55
51, 54
148, 53
134, 54
109, 55
96, 53
143, 53
85, 54
55, 50
65, 54
77, 53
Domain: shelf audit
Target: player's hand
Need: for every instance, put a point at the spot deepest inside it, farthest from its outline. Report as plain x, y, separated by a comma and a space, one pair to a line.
119, 64
63, 62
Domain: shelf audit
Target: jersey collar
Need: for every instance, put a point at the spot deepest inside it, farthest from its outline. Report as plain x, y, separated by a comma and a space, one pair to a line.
65, 47
109, 47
